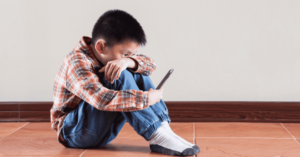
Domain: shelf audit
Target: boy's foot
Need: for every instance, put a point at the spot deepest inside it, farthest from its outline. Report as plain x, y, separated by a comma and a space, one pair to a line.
163, 142
166, 125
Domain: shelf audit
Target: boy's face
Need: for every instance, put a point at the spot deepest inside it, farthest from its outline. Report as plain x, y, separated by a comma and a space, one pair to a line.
103, 54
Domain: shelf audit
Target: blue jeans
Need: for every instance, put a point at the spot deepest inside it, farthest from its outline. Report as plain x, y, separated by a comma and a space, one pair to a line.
88, 127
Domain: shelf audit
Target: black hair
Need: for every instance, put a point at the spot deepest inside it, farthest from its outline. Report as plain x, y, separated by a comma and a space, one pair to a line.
115, 26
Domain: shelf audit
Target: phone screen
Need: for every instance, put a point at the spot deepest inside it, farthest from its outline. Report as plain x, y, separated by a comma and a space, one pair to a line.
165, 79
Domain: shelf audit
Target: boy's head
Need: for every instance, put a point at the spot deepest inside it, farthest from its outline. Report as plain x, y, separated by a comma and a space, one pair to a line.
116, 34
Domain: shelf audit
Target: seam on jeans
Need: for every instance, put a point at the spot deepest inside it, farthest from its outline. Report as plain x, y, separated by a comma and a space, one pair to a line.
107, 137
91, 132
144, 119
144, 122
149, 127
71, 142
85, 130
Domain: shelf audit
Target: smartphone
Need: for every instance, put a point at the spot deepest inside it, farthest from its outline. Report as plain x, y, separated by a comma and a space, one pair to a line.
165, 79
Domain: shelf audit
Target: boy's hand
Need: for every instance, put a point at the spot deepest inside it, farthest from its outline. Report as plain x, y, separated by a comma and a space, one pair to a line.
154, 96
114, 68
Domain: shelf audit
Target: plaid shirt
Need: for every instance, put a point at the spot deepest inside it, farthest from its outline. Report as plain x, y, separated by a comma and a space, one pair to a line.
76, 81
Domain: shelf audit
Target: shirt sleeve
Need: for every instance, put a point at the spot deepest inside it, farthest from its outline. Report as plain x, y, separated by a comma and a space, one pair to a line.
146, 65
82, 81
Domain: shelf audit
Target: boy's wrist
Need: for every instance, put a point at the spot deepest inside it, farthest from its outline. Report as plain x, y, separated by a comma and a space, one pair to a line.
132, 64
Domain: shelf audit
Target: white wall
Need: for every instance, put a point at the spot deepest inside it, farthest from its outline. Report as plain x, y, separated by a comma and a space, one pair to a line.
221, 50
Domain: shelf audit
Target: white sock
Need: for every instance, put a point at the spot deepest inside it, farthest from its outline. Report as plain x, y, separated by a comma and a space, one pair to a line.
166, 125
164, 139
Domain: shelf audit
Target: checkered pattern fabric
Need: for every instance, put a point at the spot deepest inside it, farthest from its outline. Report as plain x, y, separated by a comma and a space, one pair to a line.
76, 81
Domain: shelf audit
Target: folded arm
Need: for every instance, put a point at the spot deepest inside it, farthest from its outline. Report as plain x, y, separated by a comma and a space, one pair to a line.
82, 81
145, 64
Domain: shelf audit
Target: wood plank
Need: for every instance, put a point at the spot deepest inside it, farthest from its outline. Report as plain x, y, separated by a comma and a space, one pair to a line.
9, 106
9, 116
232, 106
229, 116
180, 111
35, 106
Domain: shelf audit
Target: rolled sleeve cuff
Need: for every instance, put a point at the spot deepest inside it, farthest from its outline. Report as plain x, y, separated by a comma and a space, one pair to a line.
139, 66
143, 103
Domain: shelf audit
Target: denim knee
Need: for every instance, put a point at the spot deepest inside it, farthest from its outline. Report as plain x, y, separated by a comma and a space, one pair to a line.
126, 76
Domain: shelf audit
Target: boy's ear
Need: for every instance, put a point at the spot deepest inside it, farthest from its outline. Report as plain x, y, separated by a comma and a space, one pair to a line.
100, 46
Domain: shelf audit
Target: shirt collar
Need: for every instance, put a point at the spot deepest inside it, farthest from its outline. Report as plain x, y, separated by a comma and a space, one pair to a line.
84, 46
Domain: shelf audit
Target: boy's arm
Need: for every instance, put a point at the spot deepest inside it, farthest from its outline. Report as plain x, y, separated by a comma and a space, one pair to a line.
84, 83
145, 65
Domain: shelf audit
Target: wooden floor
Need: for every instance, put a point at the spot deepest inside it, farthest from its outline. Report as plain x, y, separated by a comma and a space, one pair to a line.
215, 139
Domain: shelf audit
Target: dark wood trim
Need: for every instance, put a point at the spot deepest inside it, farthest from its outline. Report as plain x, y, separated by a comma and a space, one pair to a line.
179, 111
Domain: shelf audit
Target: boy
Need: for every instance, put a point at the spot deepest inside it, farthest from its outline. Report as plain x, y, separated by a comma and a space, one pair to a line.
103, 83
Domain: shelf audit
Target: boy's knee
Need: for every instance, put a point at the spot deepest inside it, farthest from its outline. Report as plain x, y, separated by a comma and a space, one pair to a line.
125, 74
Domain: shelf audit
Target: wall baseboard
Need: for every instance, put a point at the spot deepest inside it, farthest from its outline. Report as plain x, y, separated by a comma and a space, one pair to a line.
179, 111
